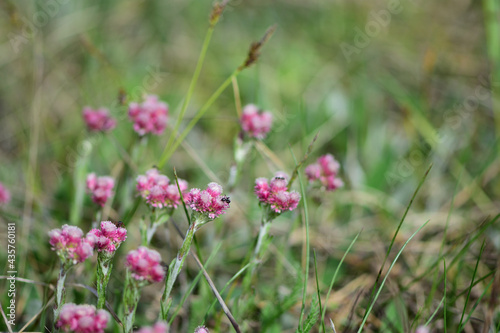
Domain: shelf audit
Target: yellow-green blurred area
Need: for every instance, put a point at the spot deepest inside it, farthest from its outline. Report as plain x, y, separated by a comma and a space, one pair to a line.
390, 86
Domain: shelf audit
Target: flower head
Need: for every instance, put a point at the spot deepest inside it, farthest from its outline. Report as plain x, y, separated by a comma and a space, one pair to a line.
4, 195
98, 120
325, 171
210, 202
201, 329
159, 327
70, 244
109, 238
422, 329
275, 193
256, 123
149, 117
145, 265
158, 191
101, 188
82, 319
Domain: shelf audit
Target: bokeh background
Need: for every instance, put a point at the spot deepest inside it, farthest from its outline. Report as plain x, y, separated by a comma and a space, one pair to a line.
390, 86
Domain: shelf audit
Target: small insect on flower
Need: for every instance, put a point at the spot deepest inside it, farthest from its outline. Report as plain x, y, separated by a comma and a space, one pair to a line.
225, 199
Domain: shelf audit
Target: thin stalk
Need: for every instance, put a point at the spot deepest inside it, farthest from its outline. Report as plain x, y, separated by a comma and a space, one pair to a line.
257, 253
192, 85
167, 153
60, 292
131, 296
174, 270
104, 267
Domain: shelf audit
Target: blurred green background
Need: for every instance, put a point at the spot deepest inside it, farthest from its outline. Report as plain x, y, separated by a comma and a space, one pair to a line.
419, 86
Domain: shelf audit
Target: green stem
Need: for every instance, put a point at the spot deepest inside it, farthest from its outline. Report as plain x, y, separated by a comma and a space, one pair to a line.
104, 268
257, 254
60, 293
167, 153
174, 270
131, 296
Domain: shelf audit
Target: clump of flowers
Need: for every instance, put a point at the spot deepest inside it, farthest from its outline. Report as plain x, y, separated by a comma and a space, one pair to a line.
101, 188
150, 116
275, 193
325, 171
207, 205
107, 240
143, 268
158, 191
159, 327
145, 265
82, 319
255, 122
72, 248
4, 195
98, 120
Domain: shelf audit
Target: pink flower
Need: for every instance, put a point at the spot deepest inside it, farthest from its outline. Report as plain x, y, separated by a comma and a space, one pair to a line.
325, 171
158, 191
149, 117
145, 265
201, 329
209, 202
82, 319
98, 120
256, 123
4, 195
275, 193
101, 188
109, 237
159, 327
70, 244
422, 329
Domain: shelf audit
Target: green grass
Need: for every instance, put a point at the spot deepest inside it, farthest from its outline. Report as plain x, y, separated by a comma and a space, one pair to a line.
389, 112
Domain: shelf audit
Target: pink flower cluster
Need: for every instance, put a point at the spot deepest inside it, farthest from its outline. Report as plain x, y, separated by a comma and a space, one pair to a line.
149, 117
101, 188
71, 245
209, 202
201, 329
256, 123
109, 237
82, 319
159, 327
98, 120
325, 170
158, 191
4, 195
145, 265
275, 193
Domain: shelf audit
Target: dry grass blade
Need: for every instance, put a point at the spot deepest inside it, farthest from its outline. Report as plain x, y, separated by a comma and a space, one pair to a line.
213, 287
5, 319
304, 159
37, 314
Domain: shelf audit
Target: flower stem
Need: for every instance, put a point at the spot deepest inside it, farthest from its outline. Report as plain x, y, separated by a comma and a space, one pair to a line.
257, 253
131, 296
104, 268
174, 270
60, 293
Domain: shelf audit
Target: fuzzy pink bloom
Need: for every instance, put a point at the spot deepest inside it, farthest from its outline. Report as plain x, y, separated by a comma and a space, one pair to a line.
149, 117
145, 265
201, 329
109, 237
159, 327
71, 245
82, 319
209, 202
275, 193
4, 195
101, 188
325, 171
98, 120
256, 123
158, 191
